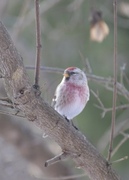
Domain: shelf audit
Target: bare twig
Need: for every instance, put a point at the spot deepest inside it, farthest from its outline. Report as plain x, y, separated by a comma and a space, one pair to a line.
115, 82
126, 136
47, 69
96, 95
5, 99
121, 159
56, 159
106, 82
38, 45
86, 63
105, 110
124, 106
120, 126
6, 104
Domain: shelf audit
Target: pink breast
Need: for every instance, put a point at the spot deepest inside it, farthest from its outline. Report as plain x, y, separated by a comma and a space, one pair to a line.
74, 92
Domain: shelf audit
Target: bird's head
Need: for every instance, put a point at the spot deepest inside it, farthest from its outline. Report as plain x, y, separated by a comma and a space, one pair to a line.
74, 75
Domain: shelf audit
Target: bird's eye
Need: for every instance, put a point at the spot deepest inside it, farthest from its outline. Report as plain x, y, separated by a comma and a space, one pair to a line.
72, 73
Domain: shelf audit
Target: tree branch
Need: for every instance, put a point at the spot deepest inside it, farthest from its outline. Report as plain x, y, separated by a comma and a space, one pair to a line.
20, 91
107, 82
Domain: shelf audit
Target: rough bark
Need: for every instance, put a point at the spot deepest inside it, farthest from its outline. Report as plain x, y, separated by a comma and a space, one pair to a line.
24, 97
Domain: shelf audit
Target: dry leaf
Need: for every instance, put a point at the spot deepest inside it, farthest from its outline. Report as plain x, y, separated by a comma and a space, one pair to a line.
98, 29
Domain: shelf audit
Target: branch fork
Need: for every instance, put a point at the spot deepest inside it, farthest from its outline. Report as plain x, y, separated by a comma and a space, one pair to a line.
60, 157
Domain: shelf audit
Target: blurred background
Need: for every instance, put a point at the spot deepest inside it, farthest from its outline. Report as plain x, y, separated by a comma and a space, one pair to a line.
68, 28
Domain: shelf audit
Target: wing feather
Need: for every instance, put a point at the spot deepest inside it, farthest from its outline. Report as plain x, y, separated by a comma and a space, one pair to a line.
53, 103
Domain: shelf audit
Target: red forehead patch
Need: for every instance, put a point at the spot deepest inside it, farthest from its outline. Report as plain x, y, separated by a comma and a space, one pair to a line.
70, 68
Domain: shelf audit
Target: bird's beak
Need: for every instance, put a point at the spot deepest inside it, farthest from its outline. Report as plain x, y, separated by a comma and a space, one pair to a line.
66, 74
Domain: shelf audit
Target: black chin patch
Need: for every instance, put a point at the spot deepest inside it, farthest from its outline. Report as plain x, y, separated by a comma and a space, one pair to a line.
67, 78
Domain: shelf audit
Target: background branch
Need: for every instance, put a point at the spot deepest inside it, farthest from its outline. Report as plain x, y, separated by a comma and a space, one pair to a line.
38, 45
106, 82
115, 82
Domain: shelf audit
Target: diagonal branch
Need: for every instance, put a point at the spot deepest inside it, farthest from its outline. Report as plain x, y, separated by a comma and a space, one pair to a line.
36, 110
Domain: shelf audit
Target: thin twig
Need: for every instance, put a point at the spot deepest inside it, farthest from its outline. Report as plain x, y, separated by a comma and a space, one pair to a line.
47, 69
115, 82
56, 159
99, 79
106, 110
86, 63
126, 136
121, 159
5, 99
6, 104
98, 99
38, 45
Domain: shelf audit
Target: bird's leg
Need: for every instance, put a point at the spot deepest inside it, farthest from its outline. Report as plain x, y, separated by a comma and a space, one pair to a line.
67, 119
70, 122
74, 125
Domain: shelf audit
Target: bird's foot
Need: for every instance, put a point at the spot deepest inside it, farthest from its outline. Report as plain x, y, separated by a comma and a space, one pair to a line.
74, 125
71, 123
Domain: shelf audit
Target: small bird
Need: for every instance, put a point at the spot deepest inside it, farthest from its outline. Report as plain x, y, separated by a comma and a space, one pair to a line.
72, 93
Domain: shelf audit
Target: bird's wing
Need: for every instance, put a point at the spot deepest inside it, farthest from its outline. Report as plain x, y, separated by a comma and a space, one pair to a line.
53, 101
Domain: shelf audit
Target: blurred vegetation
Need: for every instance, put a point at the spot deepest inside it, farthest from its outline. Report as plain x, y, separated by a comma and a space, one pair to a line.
66, 42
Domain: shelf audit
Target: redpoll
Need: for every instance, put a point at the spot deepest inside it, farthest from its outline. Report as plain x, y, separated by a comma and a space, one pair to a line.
72, 93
